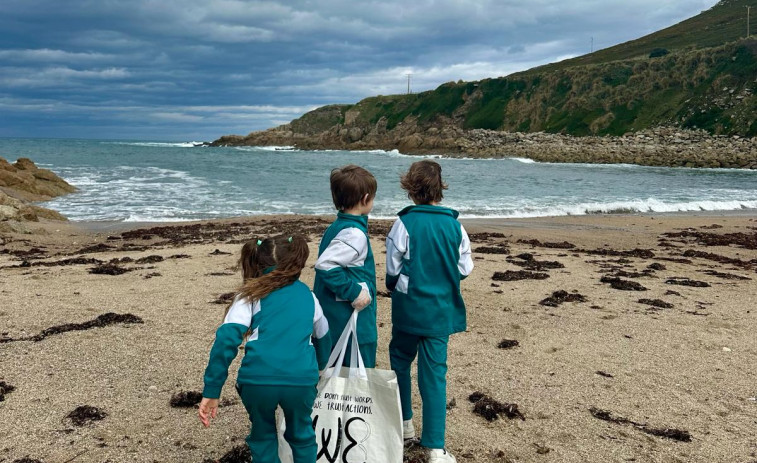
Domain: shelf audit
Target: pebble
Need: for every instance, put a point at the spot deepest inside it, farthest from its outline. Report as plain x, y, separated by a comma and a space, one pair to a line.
726, 349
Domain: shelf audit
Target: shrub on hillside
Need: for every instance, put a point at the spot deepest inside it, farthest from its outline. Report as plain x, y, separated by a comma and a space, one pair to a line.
657, 52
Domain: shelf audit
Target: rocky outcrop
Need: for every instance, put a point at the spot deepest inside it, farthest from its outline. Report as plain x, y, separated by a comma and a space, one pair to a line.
660, 146
23, 182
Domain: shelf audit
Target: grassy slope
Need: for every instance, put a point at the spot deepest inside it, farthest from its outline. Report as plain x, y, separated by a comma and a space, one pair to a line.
707, 81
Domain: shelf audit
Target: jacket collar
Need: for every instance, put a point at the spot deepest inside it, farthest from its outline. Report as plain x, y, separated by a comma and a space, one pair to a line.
428, 208
361, 219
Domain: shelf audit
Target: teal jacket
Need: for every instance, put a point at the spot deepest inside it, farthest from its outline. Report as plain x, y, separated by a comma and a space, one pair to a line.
287, 345
427, 254
345, 264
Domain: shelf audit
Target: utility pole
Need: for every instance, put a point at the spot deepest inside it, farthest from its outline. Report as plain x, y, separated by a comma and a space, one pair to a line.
408, 82
747, 20
592, 44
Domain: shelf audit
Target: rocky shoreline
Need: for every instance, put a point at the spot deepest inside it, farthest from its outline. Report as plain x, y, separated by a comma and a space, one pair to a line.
663, 146
21, 183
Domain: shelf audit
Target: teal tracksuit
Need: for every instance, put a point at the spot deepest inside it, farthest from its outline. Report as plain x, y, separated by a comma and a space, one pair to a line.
288, 342
427, 254
345, 264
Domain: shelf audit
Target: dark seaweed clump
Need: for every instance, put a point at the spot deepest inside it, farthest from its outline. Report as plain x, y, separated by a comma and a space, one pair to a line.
5, 388
518, 275
218, 252
687, 282
669, 433
414, 453
27, 460
502, 249
721, 259
604, 373
527, 261
238, 454
656, 266
480, 237
558, 297
640, 253
109, 269
86, 414
150, 259
656, 303
537, 243
105, 319
185, 399
725, 276
623, 285
508, 344
744, 240
492, 409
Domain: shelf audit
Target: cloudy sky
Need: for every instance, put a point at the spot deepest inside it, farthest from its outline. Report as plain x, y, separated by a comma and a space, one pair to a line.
198, 69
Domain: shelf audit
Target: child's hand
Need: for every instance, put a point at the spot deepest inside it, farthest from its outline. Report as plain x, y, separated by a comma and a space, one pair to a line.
208, 410
362, 301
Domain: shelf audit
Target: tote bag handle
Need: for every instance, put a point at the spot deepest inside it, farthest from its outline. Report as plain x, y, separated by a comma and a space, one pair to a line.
336, 360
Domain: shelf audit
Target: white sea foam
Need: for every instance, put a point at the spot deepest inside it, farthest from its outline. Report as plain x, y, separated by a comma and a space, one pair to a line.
187, 144
524, 160
612, 207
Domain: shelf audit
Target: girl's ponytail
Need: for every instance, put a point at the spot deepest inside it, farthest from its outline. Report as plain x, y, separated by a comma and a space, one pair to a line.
290, 254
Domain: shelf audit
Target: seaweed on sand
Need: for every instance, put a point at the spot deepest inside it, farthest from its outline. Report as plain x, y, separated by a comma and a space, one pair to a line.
558, 297
105, 319
623, 285
491, 409
518, 275
669, 433
85, 414
238, 454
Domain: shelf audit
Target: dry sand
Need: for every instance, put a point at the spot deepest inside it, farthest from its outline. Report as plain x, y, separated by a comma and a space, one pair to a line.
689, 367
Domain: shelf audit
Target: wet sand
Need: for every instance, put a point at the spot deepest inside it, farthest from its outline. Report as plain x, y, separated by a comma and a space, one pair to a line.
576, 365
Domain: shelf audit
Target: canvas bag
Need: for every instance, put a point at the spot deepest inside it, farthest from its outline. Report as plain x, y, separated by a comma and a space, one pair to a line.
357, 414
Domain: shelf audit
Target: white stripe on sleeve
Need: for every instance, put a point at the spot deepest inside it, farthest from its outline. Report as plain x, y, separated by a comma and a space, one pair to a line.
349, 248
465, 264
397, 248
241, 312
320, 324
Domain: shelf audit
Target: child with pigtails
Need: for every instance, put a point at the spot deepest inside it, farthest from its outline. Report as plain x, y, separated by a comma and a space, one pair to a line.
286, 343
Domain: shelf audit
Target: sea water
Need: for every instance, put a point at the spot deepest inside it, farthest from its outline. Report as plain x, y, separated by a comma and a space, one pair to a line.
164, 181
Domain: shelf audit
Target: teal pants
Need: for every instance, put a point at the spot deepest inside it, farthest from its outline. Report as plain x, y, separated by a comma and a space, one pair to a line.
297, 403
432, 381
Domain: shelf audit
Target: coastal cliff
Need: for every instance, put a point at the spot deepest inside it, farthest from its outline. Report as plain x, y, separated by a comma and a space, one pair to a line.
22, 183
683, 96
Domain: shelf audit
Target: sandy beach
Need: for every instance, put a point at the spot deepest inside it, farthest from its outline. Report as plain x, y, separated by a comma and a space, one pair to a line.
604, 378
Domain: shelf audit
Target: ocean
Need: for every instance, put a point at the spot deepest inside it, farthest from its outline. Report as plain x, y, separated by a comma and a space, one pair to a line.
144, 181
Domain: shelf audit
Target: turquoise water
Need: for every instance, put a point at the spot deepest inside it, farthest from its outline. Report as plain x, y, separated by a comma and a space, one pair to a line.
152, 181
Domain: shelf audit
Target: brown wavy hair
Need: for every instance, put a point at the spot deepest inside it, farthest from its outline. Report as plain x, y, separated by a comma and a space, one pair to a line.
287, 253
289, 257
350, 184
423, 182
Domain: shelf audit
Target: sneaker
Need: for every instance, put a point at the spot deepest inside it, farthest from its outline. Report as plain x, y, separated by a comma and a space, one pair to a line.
440, 456
408, 430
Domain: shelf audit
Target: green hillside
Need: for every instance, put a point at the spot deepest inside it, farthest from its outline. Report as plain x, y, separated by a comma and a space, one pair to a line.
699, 74
725, 22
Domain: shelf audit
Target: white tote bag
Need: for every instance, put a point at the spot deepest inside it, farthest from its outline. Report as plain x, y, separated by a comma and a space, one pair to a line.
357, 415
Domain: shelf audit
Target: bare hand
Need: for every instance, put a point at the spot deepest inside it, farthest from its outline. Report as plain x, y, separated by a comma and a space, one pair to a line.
362, 301
208, 410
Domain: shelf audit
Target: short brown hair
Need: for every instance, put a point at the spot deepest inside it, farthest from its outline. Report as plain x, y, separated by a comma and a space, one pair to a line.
349, 184
423, 182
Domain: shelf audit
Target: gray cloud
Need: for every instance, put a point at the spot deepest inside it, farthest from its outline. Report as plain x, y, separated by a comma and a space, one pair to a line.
201, 68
